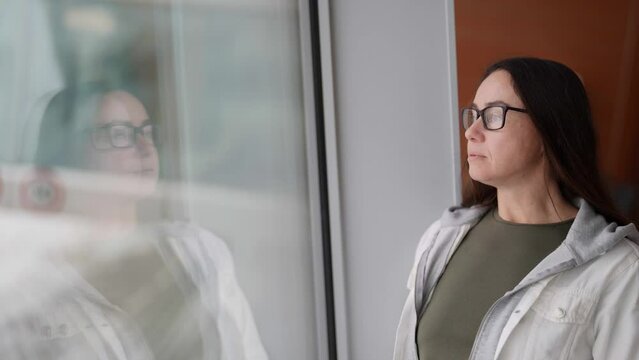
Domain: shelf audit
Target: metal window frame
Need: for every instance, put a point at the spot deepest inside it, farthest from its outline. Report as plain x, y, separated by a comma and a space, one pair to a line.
323, 178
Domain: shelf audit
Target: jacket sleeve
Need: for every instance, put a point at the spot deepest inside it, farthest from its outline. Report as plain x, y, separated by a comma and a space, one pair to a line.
210, 264
616, 322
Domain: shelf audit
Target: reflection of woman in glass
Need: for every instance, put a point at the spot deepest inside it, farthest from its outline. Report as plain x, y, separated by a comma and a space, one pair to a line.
132, 291
536, 263
108, 133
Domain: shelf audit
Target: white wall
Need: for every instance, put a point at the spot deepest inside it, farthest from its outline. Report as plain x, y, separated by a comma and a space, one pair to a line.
395, 103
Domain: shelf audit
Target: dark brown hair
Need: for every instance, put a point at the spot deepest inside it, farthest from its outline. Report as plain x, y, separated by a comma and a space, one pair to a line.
557, 103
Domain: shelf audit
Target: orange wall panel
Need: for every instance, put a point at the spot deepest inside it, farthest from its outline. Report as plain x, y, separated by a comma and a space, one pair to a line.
596, 39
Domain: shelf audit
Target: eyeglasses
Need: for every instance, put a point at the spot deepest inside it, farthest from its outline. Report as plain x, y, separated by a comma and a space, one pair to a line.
122, 135
493, 117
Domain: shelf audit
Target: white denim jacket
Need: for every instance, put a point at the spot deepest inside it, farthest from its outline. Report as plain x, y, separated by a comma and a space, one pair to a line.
580, 302
56, 314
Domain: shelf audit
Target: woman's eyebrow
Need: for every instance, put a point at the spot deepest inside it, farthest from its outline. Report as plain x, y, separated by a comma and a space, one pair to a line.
491, 103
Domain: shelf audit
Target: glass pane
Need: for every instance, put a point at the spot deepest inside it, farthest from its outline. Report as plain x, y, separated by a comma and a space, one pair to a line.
192, 241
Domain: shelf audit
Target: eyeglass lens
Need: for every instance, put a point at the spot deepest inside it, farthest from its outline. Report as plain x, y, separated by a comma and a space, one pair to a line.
120, 136
493, 117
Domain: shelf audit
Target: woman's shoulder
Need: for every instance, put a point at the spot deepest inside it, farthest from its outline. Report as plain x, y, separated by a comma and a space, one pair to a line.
187, 230
457, 215
619, 264
453, 217
618, 259
196, 245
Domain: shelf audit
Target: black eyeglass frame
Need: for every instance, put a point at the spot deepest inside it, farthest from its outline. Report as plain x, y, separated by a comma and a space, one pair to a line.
480, 113
136, 130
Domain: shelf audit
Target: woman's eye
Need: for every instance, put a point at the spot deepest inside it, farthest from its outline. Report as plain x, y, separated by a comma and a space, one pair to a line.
494, 118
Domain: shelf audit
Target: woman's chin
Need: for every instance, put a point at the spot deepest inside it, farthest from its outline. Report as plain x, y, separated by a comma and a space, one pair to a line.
480, 177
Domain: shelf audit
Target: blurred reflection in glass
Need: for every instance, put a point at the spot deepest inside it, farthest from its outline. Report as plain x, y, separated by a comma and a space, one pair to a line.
109, 134
101, 285
222, 80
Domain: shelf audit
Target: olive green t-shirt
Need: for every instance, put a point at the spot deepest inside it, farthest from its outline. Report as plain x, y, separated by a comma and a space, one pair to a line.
492, 259
139, 282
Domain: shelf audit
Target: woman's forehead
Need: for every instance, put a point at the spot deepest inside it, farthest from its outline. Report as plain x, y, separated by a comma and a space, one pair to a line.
122, 107
497, 87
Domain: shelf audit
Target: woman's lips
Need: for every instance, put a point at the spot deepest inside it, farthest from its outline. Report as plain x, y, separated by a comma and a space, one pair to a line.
473, 156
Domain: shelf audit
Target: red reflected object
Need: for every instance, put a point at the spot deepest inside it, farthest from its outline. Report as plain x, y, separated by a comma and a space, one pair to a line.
42, 191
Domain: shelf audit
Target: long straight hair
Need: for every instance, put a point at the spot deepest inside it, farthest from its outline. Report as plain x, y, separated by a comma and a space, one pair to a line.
557, 103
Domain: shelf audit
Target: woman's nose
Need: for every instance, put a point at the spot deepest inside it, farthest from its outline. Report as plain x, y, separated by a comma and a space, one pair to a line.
475, 131
142, 144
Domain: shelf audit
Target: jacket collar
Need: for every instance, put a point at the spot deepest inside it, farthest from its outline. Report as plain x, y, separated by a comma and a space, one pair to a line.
458, 215
589, 236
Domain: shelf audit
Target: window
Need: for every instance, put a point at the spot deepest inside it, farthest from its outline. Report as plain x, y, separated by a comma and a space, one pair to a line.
154, 180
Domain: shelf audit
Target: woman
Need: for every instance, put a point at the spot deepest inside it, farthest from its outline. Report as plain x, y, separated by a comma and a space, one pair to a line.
536, 263
118, 288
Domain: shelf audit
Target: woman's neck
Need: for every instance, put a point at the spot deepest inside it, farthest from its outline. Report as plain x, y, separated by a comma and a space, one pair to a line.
116, 216
534, 204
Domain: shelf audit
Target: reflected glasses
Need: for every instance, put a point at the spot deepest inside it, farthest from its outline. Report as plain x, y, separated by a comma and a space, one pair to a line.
122, 135
493, 117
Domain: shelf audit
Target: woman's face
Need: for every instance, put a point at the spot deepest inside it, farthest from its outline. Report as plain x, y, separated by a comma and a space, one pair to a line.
512, 154
137, 161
